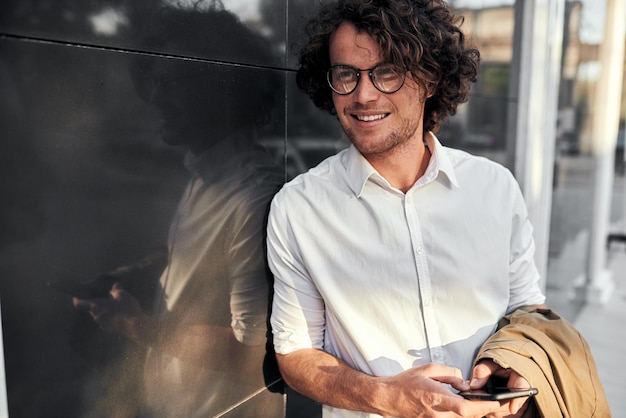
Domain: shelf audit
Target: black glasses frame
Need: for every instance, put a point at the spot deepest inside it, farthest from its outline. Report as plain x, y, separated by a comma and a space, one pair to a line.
370, 71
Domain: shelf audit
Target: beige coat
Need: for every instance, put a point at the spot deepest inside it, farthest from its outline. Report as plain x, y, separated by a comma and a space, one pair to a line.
554, 357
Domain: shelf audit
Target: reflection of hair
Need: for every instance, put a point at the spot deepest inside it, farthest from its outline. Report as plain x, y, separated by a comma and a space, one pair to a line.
211, 32
210, 35
421, 35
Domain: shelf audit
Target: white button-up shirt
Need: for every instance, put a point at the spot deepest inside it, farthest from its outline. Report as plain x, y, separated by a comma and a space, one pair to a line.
387, 280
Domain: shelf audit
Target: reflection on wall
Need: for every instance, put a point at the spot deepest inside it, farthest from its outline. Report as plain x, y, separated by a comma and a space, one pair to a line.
109, 155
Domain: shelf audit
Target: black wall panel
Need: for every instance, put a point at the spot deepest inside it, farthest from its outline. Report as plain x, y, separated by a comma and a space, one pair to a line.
101, 104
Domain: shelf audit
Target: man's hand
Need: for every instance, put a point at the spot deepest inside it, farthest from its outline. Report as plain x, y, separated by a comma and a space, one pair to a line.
487, 368
420, 392
423, 391
208, 346
120, 313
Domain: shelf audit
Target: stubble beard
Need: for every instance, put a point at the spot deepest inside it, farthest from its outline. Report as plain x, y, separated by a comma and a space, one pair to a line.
384, 145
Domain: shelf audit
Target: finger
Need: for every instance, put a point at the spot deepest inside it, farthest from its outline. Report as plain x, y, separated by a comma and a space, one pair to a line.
434, 370
102, 316
457, 383
439, 371
516, 381
116, 290
518, 405
446, 374
514, 408
82, 305
475, 408
481, 373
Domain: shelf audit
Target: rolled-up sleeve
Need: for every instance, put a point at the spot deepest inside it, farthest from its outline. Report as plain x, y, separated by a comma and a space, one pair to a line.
298, 309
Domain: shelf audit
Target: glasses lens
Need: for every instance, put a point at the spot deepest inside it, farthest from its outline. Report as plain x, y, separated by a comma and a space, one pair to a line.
387, 78
342, 79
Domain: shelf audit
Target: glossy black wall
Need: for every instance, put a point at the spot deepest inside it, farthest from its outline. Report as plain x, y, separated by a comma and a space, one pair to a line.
100, 103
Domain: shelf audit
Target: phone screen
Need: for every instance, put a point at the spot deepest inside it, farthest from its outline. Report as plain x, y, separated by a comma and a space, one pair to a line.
498, 394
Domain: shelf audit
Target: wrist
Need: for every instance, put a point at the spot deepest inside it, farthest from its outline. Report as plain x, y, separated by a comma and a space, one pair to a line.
385, 397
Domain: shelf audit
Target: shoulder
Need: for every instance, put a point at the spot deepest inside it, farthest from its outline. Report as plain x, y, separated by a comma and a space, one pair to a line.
481, 179
470, 167
461, 158
328, 174
312, 194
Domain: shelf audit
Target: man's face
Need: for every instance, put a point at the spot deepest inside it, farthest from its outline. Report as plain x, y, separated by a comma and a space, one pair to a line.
375, 122
191, 100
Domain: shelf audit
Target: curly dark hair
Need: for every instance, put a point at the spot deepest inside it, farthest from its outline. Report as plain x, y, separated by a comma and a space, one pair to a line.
423, 36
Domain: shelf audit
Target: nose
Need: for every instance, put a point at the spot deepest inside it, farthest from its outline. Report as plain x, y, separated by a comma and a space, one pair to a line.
365, 90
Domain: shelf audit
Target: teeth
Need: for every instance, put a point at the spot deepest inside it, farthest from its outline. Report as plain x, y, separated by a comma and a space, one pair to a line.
369, 118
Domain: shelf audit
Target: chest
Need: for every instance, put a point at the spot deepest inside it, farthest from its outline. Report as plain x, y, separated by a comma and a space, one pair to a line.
380, 242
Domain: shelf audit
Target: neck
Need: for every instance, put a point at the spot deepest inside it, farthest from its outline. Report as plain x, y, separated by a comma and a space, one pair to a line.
404, 166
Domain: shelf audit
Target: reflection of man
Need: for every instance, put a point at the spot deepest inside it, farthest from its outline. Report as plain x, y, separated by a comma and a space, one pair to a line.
207, 333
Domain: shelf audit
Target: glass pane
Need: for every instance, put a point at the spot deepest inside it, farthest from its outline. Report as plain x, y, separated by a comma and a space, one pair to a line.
480, 125
579, 154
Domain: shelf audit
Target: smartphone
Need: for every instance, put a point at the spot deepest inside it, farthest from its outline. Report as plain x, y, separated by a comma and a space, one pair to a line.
97, 288
498, 393
140, 278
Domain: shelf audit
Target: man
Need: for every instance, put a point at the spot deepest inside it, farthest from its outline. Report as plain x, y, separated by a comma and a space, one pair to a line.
395, 259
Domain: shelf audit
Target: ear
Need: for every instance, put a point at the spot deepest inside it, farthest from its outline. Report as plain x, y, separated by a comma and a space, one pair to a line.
431, 89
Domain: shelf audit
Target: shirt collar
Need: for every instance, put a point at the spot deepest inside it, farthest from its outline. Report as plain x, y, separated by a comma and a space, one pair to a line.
359, 170
440, 161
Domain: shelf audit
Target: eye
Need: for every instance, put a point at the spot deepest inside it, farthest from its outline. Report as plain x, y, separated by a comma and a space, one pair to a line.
386, 73
344, 74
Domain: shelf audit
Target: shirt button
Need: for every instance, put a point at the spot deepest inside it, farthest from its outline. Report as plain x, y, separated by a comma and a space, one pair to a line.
418, 251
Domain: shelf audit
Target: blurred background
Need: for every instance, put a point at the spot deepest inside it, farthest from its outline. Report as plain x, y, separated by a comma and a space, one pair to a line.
92, 156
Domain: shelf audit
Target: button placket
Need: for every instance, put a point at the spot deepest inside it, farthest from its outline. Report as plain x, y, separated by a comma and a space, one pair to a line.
433, 340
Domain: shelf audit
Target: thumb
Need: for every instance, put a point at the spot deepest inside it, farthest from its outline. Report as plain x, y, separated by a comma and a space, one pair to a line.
117, 290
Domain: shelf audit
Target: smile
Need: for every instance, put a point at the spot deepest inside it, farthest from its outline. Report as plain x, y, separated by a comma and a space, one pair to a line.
370, 118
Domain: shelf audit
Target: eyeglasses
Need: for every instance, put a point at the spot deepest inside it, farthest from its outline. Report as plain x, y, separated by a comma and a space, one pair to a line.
387, 78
